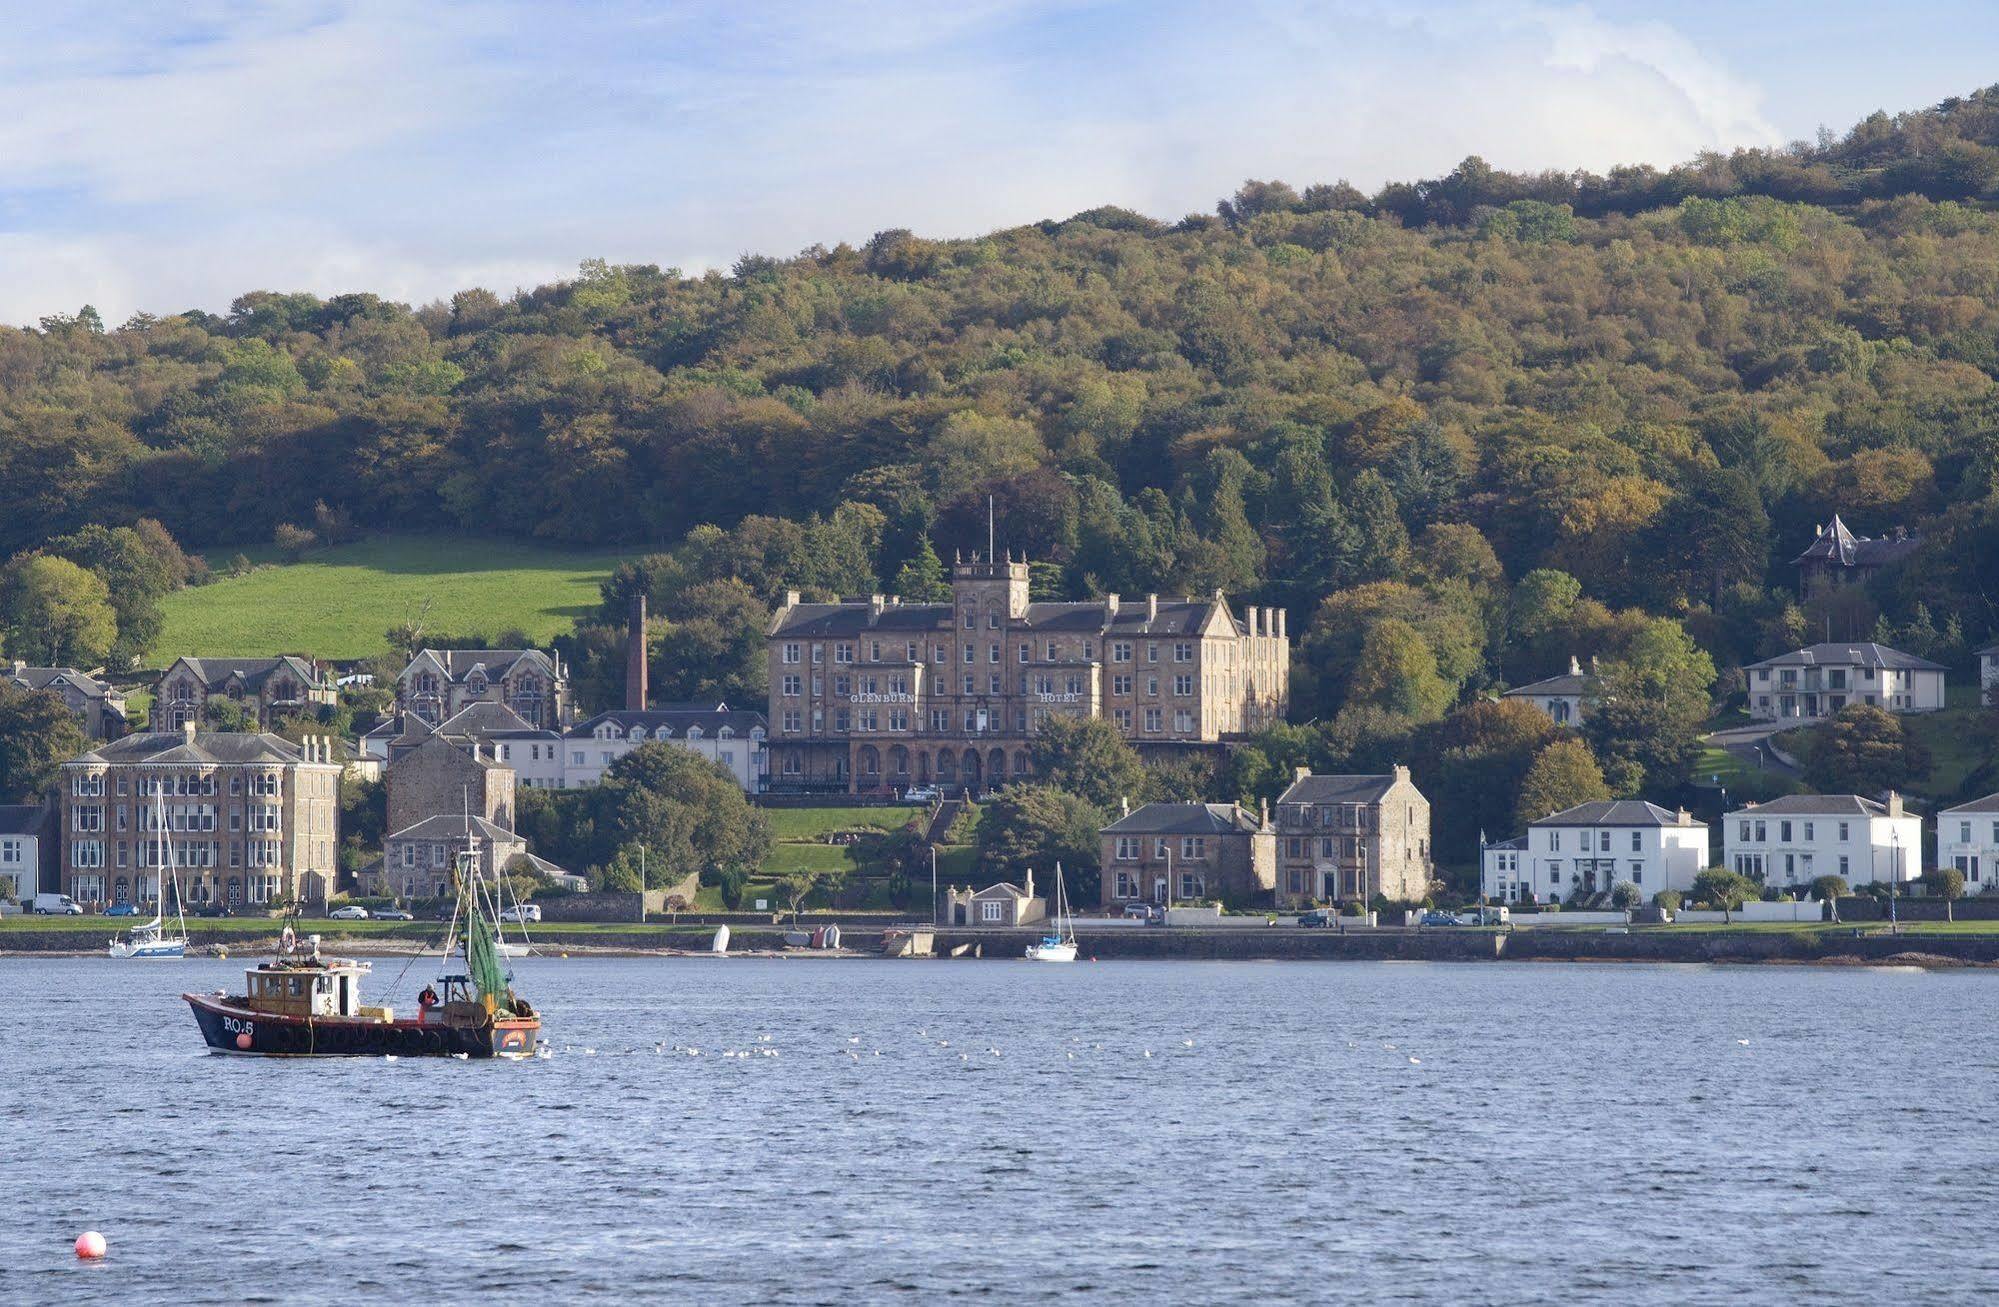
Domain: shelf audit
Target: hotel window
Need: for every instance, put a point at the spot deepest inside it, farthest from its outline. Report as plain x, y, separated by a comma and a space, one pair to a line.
993, 620
971, 618
1152, 719
840, 721
1843, 832
1121, 684
1120, 651
791, 653
1808, 832
1127, 887
1152, 686
844, 685
1052, 654
1183, 686
843, 653
792, 721
1122, 716
912, 654
1762, 832
1183, 653
992, 654
971, 653
1554, 841
1784, 831
1294, 848
792, 685
1964, 832
1025, 652
88, 785
940, 654
1183, 720
971, 683
875, 651
994, 685
1151, 652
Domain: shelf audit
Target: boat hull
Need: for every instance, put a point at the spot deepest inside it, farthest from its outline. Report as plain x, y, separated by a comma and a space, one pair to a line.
1064, 952
231, 1029
149, 952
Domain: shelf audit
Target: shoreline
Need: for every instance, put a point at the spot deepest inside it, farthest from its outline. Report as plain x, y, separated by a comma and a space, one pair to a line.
1823, 947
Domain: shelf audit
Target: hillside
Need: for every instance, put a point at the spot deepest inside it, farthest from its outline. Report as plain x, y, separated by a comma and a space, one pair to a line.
337, 603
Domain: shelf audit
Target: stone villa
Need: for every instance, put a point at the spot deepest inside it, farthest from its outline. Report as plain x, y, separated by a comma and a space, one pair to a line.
1346, 839
101, 707
439, 684
1837, 558
1181, 852
267, 689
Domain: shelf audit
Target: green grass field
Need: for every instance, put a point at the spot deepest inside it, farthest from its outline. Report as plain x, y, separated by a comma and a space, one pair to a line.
337, 603
817, 823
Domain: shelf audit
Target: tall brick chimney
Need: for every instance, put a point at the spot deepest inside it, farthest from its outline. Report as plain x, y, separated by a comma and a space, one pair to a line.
635, 656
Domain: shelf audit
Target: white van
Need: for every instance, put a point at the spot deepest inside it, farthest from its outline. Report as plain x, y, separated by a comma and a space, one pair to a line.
56, 905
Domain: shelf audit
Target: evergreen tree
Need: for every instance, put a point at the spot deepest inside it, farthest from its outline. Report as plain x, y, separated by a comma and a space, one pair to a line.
921, 580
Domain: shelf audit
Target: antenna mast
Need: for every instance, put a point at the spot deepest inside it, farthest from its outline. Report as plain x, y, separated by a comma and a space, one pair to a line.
990, 552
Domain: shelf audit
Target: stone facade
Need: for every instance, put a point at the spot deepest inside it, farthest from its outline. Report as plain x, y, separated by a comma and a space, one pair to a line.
439, 684
1344, 839
253, 820
417, 860
1183, 852
437, 777
267, 689
100, 707
875, 694
1003, 904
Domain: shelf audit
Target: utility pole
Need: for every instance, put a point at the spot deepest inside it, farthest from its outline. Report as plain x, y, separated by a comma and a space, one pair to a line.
642, 884
1894, 886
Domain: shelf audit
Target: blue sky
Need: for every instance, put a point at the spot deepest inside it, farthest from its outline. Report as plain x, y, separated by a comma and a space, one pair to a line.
162, 157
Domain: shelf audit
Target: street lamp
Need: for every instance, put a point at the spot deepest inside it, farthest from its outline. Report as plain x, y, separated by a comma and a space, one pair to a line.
642, 884
1169, 875
1895, 885
934, 913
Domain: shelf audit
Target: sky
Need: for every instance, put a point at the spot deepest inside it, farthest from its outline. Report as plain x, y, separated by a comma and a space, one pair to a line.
165, 157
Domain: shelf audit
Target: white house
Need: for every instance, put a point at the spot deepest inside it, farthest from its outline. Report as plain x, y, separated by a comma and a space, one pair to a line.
1988, 671
1968, 839
28, 843
1820, 680
1792, 841
1593, 846
717, 732
1561, 697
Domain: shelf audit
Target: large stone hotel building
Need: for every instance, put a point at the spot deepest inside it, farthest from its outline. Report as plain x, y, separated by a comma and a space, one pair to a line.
875, 693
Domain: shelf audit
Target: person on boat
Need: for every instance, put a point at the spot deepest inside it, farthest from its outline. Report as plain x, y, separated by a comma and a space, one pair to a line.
426, 1000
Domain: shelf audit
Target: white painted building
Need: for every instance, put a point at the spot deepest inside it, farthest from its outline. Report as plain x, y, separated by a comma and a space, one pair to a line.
1816, 682
27, 853
1792, 841
724, 735
1561, 697
1988, 672
1593, 846
1968, 839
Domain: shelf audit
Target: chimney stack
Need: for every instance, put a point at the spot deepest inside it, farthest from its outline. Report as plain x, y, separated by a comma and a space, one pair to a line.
1280, 623
635, 656
1152, 608
1894, 803
1575, 666
1299, 774
187, 730
1110, 607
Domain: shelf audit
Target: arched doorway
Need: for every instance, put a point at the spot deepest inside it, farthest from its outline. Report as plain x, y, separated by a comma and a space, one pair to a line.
870, 765
947, 768
923, 768
970, 769
898, 764
1020, 766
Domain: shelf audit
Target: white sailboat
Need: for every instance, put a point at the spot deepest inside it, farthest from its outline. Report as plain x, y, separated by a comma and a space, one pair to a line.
1060, 946
150, 940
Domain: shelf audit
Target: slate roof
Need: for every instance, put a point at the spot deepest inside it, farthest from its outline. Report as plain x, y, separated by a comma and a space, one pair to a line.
674, 718
1517, 844
455, 826
458, 664
486, 719
1989, 651
1837, 545
1337, 789
1569, 683
205, 747
1990, 803
1613, 812
1817, 805
1185, 819
1859, 654
253, 671
23, 818
1176, 617
41, 678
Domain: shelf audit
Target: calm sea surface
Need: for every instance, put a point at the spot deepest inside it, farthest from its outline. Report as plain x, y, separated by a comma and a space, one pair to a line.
1332, 1132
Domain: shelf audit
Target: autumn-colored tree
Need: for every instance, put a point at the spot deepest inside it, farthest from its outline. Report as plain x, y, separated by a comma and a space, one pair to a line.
1563, 774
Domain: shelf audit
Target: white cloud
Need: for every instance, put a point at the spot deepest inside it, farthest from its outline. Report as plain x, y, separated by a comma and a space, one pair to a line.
174, 162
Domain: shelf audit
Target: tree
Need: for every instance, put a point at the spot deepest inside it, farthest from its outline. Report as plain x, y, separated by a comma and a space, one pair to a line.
1830, 889
1625, 896
1397, 671
921, 579
1088, 757
1725, 889
1471, 765
1647, 709
1564, 774
797, 886
1036, 826
38, 733
1865, 750
1947, 883
689, 814
55, 613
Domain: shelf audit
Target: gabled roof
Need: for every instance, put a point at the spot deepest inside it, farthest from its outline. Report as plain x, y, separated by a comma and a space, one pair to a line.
1990, 803
252, 672
1003, 890
1837, 545
459, 664
1185, 819
1989, 651
206, 747
455, 826
1133, 618
1858, 654
486, 718
1337, 789
1517, 844
43, 678
1613, 812
1817, 805
1568, 683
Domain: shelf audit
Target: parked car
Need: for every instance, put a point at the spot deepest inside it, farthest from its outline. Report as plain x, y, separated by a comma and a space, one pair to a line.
392, 914
351, 912
521, 912
922, 794
1150, 913
213, 908
55, 905
1435, 917
122, 910
1318, 917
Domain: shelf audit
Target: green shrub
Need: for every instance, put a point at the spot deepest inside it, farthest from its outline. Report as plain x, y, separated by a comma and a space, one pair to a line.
1669, 899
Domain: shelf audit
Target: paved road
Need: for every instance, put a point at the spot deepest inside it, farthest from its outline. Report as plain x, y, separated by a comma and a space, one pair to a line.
1749, 743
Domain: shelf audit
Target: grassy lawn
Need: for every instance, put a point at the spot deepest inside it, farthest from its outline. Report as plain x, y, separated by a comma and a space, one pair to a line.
1742, 778
338, 602
787, 858
817, 823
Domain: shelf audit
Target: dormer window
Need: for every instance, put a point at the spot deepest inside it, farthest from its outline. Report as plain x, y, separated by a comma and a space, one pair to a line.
476, 682
694, 732
637, 733
725, 734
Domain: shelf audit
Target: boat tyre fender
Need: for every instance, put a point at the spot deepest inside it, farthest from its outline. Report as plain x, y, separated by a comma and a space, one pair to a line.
285, 1039
434, 1043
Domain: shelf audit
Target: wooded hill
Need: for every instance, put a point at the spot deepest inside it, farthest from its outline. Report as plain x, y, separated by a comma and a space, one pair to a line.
1391, 408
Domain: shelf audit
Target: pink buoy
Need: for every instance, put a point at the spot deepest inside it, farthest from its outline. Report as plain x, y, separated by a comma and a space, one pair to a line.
243, 1040
90, 1245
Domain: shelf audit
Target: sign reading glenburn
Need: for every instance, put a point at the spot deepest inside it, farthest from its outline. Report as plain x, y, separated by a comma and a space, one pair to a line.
874, 693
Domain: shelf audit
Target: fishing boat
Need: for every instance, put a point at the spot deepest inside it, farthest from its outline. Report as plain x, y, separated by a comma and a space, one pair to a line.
1061, 945
149, 940
300, 1004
